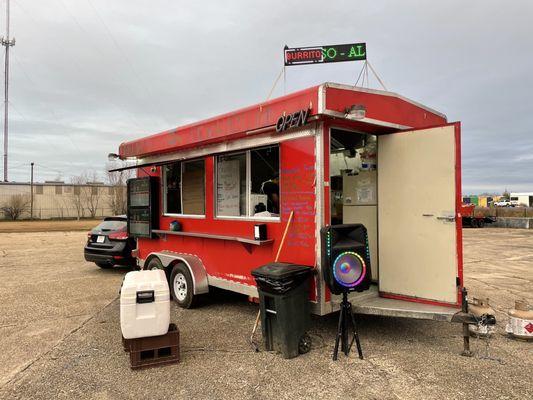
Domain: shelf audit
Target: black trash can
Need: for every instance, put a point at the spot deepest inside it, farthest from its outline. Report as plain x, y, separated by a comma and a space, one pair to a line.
285, 310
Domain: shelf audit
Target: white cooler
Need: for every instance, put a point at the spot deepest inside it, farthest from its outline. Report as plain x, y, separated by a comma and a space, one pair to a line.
144, 304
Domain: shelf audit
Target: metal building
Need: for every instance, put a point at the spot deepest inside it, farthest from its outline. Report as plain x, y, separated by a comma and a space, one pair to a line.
57, 199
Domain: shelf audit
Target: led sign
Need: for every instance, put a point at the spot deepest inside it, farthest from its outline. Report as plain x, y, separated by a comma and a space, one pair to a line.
325, 54
294, 120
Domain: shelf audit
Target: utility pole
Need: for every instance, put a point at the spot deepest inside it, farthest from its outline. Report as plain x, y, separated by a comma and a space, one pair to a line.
31, 193
7, 43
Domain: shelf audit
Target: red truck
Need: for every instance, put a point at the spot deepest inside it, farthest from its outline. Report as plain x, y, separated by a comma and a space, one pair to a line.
470, 219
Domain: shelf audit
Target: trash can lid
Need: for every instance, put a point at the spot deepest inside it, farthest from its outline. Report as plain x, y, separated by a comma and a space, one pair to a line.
280, 271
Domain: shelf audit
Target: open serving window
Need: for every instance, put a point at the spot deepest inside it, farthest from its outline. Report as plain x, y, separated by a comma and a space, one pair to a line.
142, 206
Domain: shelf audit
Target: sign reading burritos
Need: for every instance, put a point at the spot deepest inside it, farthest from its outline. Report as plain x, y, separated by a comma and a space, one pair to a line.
294, 120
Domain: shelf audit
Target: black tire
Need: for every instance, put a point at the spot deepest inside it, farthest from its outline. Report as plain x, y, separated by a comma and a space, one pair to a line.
304, 345
104, 265
181, 286
474, 223
481, 223
154, 263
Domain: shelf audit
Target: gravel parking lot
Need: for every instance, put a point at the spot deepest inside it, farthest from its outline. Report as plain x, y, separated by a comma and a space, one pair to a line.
60, 336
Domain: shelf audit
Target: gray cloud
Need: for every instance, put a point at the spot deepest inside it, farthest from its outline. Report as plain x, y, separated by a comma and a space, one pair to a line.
89, 74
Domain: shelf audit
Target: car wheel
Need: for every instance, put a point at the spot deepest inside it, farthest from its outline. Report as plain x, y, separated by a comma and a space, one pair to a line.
154, 263
181, 286
104, 265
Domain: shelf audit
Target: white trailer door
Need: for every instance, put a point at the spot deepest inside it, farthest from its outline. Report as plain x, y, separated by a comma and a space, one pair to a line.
420, 244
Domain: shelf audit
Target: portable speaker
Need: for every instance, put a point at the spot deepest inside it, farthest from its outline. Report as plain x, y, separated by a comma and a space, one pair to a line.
345, 258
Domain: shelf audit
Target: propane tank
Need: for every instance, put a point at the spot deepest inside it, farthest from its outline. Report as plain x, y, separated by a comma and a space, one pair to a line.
520, 321
480, 308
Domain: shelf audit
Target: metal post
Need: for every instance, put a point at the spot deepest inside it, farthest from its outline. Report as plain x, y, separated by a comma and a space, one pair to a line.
7, 43
31, 192
466, 333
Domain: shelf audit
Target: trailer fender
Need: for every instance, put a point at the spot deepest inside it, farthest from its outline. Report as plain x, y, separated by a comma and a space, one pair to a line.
193, 263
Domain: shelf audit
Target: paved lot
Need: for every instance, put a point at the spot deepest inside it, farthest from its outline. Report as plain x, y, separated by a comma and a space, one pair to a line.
60, 337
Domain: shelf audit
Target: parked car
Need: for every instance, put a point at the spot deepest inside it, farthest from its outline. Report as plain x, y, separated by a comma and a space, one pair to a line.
503, 203
108, 244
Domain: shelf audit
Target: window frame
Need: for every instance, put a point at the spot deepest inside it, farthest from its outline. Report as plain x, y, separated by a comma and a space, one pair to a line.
164, 194
246, 217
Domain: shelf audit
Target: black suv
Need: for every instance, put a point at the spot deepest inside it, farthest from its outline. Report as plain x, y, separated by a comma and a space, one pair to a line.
108, 244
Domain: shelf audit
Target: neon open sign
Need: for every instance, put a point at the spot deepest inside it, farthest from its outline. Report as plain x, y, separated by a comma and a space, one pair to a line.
325, 54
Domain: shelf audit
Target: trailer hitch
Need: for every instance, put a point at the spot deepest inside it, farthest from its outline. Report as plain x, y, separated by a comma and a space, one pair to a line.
466, 318
466, 332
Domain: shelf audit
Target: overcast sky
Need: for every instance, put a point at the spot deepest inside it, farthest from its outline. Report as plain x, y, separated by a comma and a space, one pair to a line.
89, 74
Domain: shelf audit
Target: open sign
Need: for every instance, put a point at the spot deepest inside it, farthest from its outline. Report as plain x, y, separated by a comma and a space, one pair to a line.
294, 120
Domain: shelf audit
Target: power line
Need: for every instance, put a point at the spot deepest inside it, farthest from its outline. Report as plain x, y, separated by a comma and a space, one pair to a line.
126, 58
47, 106
96, 47
77, 64
30, 121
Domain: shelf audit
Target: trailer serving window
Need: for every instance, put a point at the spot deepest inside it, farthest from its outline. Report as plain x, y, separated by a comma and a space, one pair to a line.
184, 188
248, 183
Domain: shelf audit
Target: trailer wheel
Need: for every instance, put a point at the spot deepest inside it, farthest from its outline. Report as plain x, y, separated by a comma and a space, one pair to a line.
481, 223
474, 223
154, 263
181, 286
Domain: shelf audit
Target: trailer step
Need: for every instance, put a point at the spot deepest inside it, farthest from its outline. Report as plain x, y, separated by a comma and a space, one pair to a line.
370, 303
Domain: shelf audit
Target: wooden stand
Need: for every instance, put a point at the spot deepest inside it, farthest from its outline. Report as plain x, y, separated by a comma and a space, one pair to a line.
154, 351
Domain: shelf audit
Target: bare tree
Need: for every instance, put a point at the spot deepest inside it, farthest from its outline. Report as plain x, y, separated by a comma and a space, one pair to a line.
506, 194
16, 205
64, 206
91, 198
90, 193
85, 194
77, 198
117, 180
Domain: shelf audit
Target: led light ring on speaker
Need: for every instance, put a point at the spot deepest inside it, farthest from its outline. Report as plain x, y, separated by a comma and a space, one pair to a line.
328, 243
363, 272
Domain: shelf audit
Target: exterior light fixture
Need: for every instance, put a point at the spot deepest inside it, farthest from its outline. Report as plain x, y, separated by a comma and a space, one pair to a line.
357, 111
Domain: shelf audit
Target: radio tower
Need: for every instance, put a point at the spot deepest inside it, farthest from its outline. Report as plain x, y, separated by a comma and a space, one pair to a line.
7, 43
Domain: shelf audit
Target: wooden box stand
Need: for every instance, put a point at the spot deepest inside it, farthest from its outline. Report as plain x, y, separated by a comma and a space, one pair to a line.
154, 351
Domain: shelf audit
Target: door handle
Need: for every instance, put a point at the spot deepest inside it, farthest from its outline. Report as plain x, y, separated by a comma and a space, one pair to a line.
449, 218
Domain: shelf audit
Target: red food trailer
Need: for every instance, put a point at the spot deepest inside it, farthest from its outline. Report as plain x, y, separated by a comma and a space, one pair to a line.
330, 154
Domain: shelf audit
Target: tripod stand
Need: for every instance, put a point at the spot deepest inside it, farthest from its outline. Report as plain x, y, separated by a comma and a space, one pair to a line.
345, 315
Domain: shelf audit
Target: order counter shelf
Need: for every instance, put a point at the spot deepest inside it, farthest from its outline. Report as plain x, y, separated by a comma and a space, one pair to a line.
212, 236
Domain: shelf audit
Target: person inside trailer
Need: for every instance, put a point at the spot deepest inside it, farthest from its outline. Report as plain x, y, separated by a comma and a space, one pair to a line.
265, 181
271, 189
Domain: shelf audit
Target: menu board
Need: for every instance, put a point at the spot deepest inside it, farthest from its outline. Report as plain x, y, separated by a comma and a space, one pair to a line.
228, 187
139, 222
142, 206
140, 192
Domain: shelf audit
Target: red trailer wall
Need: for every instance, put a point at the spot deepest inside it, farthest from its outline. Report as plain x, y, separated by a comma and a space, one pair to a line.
234, 260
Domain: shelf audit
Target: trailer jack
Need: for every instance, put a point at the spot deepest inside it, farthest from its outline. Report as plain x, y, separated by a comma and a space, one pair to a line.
467, 319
